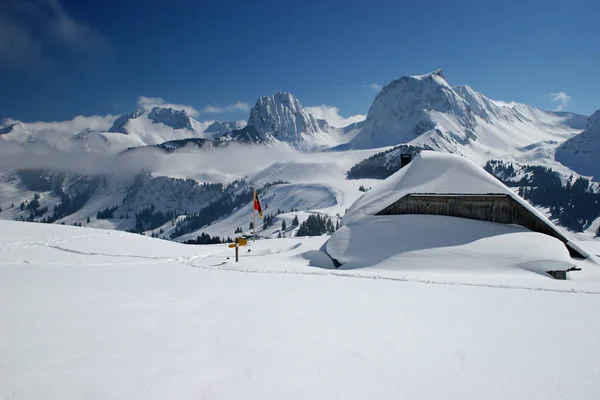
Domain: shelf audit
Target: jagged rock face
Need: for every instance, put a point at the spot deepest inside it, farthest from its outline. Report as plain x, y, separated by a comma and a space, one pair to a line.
119, 124
582, 152
218, 128
282, 117
176, 119
323, 125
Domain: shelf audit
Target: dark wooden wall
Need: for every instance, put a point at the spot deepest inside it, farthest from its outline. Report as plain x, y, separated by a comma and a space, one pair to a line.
499, 208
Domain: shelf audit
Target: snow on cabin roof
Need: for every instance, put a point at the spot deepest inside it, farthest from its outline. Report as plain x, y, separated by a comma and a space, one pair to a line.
434, 173
429, 173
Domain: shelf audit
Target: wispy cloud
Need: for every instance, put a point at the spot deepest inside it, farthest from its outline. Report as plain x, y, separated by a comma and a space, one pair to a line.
560, 99
237, 106
29, 28
150, 102
332, 115
18, 48
72, 32
75, 125
375, 86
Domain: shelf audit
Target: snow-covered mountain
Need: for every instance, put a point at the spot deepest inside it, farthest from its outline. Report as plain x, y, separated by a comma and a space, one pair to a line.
113, 134
582, 152
425, 110
218, 128
176, 119
281, 118
120, 123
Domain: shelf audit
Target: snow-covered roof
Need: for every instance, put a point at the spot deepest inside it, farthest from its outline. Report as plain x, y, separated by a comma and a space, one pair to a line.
434, 173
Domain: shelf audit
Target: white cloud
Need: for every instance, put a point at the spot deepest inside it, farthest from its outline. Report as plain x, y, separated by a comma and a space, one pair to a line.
332, 115
75, 125
150, 102
237, 106
561, 99
375, 86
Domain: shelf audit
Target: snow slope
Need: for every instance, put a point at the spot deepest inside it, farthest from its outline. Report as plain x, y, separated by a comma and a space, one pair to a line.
582, 152
317, 184
302, 196
103, 314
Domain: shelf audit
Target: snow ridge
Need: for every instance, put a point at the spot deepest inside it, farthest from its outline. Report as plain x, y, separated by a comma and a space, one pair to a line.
582, 152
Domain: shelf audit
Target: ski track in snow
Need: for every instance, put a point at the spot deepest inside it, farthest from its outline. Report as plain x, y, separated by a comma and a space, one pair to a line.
104, 254
189, 261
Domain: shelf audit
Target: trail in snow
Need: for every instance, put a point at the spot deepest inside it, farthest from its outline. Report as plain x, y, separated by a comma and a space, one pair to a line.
219, 267
103, 254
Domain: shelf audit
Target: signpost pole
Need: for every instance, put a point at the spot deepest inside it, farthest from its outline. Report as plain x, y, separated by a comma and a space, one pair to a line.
253, 217
238, 242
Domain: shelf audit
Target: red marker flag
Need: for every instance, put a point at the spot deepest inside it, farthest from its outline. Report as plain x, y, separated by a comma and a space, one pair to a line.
257, 206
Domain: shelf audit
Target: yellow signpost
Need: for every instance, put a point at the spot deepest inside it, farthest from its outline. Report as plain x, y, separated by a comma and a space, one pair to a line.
238, 242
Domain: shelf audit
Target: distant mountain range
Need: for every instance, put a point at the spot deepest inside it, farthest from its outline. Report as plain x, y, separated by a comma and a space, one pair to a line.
419, 112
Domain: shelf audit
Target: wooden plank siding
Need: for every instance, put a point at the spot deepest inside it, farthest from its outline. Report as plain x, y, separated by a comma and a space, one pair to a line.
499, 208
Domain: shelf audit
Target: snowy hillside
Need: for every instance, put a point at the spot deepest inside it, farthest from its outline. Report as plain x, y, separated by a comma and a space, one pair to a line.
158, 319
582, 152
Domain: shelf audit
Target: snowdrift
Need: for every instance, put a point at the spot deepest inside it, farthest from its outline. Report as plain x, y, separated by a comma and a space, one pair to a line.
433, 243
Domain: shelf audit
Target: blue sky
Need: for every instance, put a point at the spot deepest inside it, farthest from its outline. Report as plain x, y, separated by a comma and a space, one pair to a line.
61, 58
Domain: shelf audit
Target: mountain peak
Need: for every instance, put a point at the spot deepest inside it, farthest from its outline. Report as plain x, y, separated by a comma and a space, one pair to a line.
593, 123
282, 117
438, 73
119, 124
403, 109
176, 119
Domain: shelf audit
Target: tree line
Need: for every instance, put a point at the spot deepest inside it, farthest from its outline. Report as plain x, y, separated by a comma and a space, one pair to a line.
205, 238
317, 225
383, 164
575, 204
